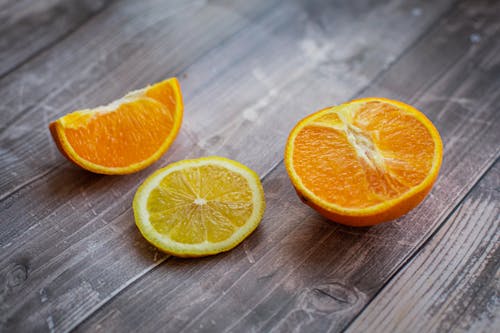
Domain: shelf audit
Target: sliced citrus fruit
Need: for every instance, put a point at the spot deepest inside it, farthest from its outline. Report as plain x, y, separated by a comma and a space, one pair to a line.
124, 136
199, 207
364, 162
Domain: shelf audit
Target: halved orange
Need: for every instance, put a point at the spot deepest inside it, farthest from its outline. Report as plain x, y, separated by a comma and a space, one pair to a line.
124, 136
364, 162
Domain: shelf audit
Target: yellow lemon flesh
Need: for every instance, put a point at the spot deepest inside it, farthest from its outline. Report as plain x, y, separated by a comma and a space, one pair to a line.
199, 207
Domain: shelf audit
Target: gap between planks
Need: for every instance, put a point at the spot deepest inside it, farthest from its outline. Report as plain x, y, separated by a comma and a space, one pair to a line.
360, 92
144, 272
412, 255
479, 176
56, 41
452, 233
180, 73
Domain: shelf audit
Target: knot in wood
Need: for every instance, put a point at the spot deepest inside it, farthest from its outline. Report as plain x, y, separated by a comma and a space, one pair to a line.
327, 298
17, 275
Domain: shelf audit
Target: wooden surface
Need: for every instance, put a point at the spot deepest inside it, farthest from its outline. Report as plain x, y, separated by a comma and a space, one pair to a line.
29, 27
71, 257
450, 284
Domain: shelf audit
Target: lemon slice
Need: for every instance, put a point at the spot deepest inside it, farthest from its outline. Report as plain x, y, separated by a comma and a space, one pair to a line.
199, 207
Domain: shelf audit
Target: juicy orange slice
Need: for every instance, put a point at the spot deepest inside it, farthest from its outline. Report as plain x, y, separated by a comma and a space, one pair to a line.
124, 136
364, 162
199, 207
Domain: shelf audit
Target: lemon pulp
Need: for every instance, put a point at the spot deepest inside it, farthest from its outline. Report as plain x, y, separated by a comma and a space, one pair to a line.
199, 207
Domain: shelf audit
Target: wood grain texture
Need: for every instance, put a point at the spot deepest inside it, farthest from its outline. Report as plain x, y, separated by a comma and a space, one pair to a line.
28, 27
63, 205
78, 248
453, 283
129, 46
300, 273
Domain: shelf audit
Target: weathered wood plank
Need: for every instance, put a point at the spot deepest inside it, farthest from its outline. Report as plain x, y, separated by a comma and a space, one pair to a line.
298, 272
78, 247
201, 124
56, 206
127, 47
28, 27
453, 283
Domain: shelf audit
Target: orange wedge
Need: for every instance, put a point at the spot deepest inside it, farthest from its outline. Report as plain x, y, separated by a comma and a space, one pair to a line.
124, 136
364, 162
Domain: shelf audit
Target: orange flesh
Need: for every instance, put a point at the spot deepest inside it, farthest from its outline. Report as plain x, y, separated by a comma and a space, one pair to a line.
130, 134
370, 153
163, 93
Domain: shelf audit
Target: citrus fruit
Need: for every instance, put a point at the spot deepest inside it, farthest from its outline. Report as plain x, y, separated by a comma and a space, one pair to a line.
364, 162
124, 136
199, 207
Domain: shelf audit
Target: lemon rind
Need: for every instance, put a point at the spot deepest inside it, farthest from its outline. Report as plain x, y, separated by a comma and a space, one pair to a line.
169, 246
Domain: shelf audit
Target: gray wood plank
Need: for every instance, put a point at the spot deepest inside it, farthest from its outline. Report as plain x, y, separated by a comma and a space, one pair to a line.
299, 272
78, 247
127, 47
28, 27
453, 283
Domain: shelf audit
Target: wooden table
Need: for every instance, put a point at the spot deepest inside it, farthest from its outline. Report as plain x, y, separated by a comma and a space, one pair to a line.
71, 257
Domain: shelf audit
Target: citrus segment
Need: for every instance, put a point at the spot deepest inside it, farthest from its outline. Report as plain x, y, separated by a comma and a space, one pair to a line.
125, 136
364, 162
199, 207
